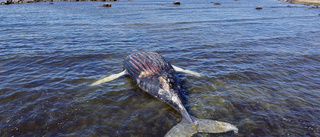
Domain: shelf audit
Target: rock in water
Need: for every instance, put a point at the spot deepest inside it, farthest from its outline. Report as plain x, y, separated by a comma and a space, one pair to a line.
259, 8
7, 2
176, 2
106, 5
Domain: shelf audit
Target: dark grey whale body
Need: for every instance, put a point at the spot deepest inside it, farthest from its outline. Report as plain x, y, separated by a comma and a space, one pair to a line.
155, 74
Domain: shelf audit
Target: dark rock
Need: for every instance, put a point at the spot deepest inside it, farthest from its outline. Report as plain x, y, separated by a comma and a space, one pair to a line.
106, 5
314, 7
291, 6
259, 8
217, 4
3, 3
7, 2
176, 2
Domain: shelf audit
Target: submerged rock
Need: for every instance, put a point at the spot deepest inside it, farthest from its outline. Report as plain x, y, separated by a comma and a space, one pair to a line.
314, 7
217, 3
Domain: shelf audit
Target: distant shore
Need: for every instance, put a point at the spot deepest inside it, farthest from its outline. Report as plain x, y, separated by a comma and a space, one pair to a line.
307, 2
7, 2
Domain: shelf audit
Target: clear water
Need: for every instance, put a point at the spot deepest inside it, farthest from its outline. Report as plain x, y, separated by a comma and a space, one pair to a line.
261, 67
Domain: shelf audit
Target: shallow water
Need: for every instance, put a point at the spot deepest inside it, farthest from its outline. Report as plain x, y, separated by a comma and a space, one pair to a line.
261, 67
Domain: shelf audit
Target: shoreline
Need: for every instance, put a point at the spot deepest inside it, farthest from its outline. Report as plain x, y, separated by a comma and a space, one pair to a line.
306, 2
7, 2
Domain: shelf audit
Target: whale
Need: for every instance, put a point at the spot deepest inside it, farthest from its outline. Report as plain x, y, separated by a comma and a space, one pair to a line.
157, 76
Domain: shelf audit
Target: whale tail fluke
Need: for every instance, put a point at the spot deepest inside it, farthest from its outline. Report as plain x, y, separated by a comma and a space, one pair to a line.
187, 129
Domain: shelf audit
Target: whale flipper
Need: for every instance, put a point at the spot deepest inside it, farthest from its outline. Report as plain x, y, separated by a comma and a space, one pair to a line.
178, 69
109, 78
187, 129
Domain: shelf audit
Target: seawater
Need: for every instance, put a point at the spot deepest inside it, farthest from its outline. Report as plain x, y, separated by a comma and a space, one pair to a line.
260, 67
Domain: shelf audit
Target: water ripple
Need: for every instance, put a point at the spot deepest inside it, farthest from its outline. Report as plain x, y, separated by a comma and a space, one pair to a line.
260, 67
